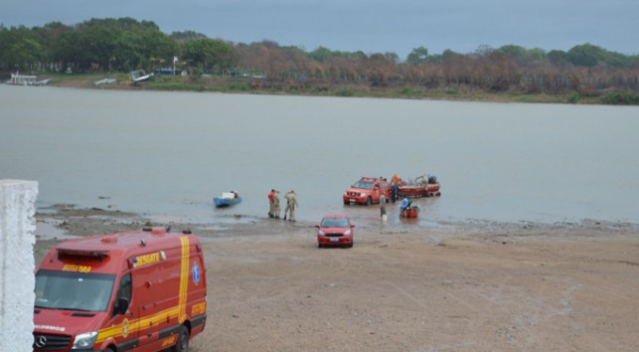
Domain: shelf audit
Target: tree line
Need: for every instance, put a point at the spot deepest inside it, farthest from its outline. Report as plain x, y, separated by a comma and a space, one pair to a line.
124, 44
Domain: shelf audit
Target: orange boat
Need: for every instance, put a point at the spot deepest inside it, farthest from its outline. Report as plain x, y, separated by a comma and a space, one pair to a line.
422, 187
411, 212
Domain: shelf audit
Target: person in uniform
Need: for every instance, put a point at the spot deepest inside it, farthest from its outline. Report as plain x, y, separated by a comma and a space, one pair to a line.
291, 203
276, 204
395, 180
270, 203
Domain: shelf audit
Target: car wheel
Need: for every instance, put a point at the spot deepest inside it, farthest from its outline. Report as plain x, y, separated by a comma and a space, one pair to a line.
182, 344
369, 201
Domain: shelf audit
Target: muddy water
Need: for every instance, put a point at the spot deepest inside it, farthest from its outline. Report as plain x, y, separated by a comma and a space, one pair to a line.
167, 155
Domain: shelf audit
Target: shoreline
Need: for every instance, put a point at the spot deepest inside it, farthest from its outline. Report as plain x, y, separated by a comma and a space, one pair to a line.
221, 85
67, 221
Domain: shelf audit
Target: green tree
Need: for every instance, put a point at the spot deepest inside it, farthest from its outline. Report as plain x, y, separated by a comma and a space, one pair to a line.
321, 54
19, 49
210, 55
417, 56
97, 43
127, 53
585, 55
186, 36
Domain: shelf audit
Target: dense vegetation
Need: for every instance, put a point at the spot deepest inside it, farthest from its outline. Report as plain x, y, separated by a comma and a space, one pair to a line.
124, 44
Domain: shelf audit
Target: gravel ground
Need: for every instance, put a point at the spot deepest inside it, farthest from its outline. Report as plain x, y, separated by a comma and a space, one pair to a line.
459, 287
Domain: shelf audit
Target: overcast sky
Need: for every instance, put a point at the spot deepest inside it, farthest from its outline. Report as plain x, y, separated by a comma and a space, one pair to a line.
372, 26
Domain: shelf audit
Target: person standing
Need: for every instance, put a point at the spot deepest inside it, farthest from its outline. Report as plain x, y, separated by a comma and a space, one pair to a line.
395, 180
382, 205
270, 203
291, 203
276, 204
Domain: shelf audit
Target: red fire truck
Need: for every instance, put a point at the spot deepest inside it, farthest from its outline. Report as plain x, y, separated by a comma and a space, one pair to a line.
130, 291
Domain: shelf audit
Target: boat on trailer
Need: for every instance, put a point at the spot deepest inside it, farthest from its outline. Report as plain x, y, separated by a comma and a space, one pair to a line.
424, 186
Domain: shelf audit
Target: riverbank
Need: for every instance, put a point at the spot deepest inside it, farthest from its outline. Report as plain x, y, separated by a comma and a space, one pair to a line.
221, 84
462, 287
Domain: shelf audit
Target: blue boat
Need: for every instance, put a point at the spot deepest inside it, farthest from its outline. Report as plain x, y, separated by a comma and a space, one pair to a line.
227, 199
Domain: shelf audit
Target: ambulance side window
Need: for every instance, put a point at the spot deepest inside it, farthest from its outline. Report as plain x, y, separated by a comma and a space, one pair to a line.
124, 290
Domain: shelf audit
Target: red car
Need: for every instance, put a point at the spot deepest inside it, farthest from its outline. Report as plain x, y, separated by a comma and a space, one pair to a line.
335, 230
367, 191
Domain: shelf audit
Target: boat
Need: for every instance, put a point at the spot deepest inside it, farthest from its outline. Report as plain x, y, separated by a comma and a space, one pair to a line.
105, 81
24, 80
424, 186
411, 212
140, 76
227, 199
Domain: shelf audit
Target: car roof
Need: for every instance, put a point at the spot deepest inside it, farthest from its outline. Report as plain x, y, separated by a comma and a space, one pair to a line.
335, 216
370, 179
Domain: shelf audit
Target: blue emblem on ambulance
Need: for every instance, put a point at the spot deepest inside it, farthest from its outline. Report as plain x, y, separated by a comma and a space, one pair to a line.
196, 273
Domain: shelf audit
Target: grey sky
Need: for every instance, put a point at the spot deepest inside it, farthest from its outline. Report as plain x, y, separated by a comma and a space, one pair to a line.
371, 26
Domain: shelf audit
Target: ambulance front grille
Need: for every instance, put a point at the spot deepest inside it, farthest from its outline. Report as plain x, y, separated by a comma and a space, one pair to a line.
42, 342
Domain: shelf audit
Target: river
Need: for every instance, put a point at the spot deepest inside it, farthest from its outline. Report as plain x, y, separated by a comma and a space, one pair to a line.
167, 154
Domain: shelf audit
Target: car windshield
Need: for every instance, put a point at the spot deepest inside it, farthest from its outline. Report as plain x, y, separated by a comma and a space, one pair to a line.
73, 290
335, 222
364, 185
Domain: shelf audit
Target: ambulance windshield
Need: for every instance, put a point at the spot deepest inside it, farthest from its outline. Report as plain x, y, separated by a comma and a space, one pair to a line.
73, 290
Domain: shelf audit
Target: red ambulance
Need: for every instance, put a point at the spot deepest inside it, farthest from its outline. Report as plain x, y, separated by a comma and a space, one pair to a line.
138, 291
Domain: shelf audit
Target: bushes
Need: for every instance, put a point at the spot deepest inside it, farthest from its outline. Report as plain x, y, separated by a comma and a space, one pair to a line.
621, 98
573, 97
241, 86
344, 92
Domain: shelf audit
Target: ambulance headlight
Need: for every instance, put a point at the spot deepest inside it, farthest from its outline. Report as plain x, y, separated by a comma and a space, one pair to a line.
85, 341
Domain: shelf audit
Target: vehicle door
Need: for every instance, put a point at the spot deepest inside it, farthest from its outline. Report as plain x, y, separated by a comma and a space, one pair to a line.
377, 191
149, 293
386, 190
126, 336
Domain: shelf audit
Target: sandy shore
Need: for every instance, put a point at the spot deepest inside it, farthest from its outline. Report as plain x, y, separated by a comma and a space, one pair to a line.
458, 287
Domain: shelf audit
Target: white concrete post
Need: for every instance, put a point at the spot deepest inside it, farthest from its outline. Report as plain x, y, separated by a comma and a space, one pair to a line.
17, 282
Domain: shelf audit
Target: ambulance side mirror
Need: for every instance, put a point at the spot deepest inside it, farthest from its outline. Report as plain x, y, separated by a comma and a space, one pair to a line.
122, 305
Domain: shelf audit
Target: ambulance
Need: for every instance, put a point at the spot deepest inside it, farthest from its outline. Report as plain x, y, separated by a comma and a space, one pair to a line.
138, 291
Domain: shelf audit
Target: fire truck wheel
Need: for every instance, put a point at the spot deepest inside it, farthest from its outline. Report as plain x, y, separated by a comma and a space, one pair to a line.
182, 344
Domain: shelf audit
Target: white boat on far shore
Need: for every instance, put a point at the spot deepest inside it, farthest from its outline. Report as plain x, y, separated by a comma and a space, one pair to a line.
26, 80
139, 76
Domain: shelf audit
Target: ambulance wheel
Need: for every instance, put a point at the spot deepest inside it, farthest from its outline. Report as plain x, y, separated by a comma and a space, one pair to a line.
182, 344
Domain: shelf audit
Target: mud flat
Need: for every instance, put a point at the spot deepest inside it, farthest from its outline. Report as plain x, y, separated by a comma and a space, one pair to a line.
457, 287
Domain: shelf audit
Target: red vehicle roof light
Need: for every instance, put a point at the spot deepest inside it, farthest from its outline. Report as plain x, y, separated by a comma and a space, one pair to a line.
97, 253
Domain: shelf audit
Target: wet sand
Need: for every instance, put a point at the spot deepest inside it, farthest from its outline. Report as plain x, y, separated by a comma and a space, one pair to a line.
455, 287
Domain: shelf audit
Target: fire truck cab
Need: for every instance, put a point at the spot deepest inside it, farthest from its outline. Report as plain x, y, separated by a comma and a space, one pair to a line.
130, 291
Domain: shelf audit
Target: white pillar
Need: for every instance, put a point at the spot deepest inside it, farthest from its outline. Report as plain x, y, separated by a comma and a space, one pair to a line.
17, 282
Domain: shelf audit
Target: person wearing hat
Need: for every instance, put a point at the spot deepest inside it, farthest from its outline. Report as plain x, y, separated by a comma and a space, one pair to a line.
270, 203
291, 203
276, 204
